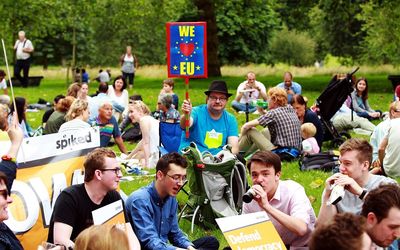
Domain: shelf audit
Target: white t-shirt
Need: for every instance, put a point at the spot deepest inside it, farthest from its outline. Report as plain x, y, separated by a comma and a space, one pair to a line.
250, 96
21, 45
3, 84
391, 162
122, 100
104, 76
73, 125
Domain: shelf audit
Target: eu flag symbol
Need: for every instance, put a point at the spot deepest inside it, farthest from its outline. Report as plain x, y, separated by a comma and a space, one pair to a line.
187, 49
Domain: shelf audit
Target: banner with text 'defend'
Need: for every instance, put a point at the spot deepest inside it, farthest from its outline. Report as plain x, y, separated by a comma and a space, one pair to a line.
46, 165
250, 231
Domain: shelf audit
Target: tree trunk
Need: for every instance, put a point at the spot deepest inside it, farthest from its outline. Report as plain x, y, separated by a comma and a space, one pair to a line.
206, 13
73, 64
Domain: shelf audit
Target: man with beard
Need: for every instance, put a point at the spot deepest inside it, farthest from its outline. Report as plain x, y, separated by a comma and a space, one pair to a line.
72, 211
211, 126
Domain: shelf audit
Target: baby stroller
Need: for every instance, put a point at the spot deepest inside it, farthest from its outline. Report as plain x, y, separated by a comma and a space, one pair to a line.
216, 186
330, 101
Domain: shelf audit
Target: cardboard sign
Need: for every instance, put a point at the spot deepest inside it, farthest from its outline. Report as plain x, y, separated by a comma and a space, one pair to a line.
187, 49
250, 232
46, 165
111, 214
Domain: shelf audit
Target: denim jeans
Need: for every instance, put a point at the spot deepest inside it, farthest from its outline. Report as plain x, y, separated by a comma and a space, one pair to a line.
238, 106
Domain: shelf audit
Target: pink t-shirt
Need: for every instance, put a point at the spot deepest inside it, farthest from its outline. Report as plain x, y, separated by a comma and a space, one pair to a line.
310, 146
291, 199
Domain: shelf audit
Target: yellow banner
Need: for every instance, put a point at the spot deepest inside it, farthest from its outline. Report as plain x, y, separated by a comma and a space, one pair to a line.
40, 179
250, 232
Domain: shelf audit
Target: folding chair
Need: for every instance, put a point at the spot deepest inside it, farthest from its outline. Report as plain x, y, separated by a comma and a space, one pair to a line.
170, 137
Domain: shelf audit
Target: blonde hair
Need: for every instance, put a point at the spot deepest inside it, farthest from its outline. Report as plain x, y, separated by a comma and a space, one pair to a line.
308, 129
393, 107
141, 107
102, 237
278, 95
76, 109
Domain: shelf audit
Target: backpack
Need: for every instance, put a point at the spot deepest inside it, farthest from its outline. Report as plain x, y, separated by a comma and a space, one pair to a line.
326, 161
133, 133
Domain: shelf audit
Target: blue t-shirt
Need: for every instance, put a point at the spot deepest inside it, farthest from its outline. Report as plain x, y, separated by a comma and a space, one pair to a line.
209, 134
295, 87
108, 130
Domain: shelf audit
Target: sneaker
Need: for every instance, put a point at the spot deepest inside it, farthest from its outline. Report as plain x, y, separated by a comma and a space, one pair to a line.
241, 112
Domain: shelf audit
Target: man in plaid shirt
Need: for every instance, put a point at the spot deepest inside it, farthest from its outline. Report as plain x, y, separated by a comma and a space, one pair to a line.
281, 122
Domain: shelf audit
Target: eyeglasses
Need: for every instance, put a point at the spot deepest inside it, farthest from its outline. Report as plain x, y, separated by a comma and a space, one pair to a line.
4, 193
178, 178
115, 170
221, 99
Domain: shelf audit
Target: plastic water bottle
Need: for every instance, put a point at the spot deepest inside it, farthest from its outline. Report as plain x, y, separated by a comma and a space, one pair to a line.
260, 103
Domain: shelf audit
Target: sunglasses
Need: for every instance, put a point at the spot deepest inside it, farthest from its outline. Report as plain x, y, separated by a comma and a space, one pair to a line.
4, 193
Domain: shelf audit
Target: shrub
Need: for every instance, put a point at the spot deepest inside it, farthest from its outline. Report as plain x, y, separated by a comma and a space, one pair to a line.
293, 47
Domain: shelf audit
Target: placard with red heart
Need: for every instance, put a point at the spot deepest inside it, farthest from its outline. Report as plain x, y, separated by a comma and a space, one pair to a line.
186, 48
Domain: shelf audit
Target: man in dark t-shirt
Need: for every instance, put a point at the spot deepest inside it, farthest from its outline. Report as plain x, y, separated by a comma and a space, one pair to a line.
73, 208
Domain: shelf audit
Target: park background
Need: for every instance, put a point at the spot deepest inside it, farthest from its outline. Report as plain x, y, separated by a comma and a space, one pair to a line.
267, 37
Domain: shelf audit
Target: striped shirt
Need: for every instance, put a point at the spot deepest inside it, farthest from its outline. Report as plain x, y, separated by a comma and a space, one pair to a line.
284, 126
108, 130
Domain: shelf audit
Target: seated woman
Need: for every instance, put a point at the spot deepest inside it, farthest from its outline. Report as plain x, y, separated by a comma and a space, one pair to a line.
307, 115
119, 94
360, 101
57, 118
76, 117
167, 112
21, 104
147, 149
74, 89
83, 92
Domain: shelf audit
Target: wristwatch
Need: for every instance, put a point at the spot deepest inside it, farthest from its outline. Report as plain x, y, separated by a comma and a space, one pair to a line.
363, 193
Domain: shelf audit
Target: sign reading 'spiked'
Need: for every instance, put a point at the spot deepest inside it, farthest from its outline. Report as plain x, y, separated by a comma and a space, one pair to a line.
187, 49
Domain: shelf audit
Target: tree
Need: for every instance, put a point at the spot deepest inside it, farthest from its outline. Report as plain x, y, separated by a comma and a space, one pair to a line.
294, 14
339, 29
382, 24
206, 12
244, 30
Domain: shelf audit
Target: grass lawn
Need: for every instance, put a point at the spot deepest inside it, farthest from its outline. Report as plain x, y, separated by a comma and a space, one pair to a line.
313, 182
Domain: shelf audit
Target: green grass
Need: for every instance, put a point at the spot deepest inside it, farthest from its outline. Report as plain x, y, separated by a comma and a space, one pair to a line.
313, 182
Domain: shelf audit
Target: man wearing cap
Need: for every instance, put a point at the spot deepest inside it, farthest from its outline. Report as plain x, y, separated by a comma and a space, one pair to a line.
211, 126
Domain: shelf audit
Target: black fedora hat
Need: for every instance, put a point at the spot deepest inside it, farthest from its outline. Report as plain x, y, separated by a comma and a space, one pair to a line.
218, 86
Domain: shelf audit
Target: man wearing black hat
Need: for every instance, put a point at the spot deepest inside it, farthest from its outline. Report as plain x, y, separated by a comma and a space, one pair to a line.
211, 126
